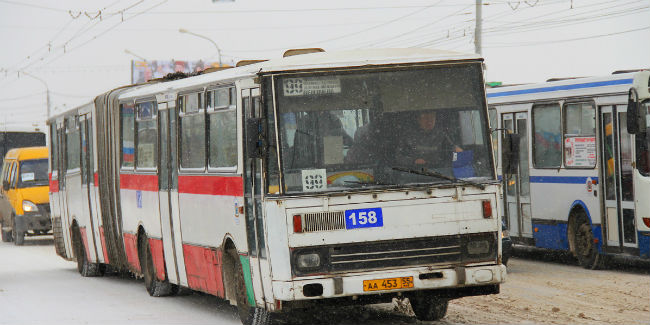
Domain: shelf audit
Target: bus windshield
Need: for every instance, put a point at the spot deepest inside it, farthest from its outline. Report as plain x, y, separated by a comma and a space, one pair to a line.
382, 128
33, 173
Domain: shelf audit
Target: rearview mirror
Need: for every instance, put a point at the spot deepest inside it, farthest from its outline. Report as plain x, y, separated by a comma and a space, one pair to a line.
636, 122
510, 153
255, 138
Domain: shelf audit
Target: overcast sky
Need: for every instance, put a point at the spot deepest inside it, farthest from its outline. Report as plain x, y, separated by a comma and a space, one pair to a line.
78, 47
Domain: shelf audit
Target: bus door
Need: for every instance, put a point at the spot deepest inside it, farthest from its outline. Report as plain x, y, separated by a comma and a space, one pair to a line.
253, 197
168, 193
517, 186
617, 178
87, 176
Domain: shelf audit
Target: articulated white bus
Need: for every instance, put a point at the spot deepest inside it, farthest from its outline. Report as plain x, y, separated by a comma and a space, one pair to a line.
312, 179
583, 179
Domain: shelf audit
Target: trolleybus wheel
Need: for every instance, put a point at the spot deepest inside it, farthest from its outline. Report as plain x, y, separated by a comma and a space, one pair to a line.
85, 267
428, 307
18, 236
249, 315
155, 287
585, 247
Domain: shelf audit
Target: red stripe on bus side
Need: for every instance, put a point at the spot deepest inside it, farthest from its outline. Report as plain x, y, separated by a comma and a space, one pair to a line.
139, 182
203, 266
156, 246
211, 185
96, 180
103, 238
82, 231
54, 184
131, 250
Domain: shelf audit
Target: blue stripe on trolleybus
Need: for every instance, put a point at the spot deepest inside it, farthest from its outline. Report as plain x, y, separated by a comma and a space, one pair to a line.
563, 87
562, 179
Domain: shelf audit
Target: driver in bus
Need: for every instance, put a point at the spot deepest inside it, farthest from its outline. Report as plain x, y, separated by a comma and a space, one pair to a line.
425, 145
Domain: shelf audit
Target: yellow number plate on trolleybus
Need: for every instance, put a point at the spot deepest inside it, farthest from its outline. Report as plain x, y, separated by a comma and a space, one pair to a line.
388, 284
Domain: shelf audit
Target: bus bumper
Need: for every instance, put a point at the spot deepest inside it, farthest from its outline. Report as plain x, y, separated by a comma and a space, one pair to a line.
424, 278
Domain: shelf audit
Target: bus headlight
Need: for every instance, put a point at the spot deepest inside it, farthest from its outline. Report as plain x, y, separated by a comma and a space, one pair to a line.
308, 261
478, 247
29, 206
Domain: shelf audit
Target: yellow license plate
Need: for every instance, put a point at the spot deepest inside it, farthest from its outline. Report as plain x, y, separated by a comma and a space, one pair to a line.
388, 284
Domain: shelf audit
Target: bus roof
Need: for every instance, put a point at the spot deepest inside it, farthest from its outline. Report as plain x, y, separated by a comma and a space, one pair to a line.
320, 60
27, 153
615, 84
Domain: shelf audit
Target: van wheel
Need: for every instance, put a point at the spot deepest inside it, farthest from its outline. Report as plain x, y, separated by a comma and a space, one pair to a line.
18, 237
249, 315
155, 287
428, 307
6, 236
84, 267
585, 248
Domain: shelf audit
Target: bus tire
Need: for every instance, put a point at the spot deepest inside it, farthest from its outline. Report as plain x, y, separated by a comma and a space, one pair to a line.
249, 315
585, 248
155, 287
428, 307
84, 267
18, 236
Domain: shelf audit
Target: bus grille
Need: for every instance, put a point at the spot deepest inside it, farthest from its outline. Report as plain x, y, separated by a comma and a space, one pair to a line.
429, 251
323, 221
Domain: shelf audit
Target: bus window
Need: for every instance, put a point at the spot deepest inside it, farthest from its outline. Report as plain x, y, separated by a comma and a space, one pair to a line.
72, 144
147, 132
643, 146
128, 144
222, 128
54, 153
547, 137
192, 131
579, 135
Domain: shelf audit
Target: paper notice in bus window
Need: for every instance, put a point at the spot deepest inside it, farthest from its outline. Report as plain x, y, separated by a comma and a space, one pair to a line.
311, 86
580, 151
333, 150
145, 152
26, 177
314, 180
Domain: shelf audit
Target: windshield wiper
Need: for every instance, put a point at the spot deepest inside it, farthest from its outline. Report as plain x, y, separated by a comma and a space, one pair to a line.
367, 183
426, 172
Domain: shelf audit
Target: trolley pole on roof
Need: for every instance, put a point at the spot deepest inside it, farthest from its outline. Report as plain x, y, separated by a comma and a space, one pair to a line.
479, 28
47, 90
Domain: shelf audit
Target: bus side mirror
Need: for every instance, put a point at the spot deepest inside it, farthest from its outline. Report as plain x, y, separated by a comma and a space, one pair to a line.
255, 138
5, 185
510, 153
636, 122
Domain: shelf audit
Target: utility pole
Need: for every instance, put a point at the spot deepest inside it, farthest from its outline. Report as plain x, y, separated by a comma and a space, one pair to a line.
479, 28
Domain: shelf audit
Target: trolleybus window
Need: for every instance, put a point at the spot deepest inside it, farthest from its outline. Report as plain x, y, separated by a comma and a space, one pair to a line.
54, 153
348, 130
192, 113
547, 136
579, 135
643, 145
222, 128
147, 130
128, 144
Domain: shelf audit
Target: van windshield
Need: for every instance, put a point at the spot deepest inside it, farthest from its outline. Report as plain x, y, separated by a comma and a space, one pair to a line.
33, 173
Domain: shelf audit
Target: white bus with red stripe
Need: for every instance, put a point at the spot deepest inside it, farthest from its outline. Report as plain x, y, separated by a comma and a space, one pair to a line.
312, 179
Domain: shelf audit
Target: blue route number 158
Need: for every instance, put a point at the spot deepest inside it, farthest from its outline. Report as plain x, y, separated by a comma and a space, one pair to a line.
364, 218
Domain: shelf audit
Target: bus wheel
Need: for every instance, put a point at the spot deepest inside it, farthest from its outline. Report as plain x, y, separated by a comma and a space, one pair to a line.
585, 248
18, 236
249, 315
428, 307
85, 268
155, 287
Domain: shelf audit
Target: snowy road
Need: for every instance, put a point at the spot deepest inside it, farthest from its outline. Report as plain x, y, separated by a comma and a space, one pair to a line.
38, 287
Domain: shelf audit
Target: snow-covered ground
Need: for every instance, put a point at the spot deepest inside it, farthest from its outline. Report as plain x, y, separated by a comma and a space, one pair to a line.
39, 287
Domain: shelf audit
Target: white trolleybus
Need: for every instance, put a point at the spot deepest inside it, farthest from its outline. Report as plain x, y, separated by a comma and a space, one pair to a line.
583, 179
351, 177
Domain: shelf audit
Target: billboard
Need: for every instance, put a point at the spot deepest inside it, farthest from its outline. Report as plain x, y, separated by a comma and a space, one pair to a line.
143, 71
